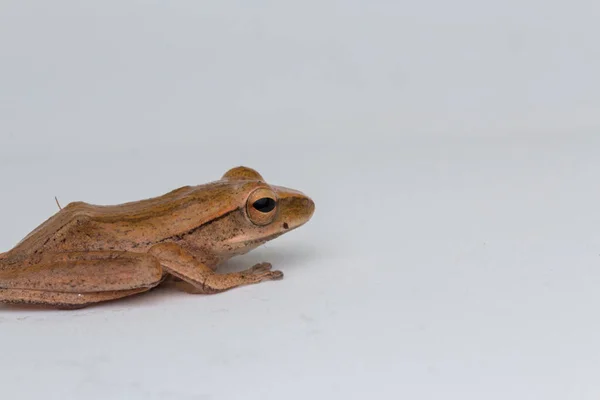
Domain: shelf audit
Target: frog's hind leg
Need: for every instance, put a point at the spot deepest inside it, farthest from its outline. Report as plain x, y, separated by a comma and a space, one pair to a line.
63, 300
79, 279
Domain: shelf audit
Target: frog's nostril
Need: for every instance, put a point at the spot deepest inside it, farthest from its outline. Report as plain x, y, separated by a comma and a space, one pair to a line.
286, 226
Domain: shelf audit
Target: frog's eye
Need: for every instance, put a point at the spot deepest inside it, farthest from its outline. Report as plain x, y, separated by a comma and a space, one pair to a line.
262, 206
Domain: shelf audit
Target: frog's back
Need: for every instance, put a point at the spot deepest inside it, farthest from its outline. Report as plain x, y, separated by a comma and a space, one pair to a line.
132, 226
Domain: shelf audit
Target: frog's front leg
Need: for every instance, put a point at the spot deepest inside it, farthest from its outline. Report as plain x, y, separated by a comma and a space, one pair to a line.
182, 264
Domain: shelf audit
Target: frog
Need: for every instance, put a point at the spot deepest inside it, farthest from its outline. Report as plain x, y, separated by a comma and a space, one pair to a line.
87, 254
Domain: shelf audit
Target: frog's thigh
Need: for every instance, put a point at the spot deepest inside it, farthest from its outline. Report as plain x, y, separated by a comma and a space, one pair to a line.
80, 278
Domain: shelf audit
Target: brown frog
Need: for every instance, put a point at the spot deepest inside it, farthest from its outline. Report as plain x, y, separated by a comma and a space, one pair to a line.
86, 254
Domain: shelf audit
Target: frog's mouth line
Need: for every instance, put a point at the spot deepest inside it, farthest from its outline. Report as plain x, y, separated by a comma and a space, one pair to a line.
260, 241
286, 228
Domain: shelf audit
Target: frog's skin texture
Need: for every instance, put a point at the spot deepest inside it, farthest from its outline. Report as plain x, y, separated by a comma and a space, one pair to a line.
86, 254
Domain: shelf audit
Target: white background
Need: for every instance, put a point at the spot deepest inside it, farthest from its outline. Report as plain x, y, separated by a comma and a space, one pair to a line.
452, 150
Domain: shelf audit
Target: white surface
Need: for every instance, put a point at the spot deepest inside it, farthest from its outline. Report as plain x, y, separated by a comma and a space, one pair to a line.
452, 150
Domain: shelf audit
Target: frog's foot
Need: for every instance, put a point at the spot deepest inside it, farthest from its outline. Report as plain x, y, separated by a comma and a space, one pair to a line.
261, 272
264, 271
215, 283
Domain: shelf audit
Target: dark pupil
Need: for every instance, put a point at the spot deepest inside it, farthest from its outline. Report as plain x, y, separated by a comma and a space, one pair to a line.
264, 205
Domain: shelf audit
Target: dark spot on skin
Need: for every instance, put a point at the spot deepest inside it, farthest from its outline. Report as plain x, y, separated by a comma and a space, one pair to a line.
285, 225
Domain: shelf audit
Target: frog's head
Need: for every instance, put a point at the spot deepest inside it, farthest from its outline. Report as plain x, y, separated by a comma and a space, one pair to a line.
259, 212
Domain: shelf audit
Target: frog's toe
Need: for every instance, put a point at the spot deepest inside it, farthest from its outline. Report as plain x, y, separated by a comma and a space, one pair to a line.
263, 272
267, 276
275, 275
261, 267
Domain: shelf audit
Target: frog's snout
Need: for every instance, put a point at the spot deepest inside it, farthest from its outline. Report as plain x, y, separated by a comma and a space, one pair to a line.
309, 205
296, 208
298, 211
